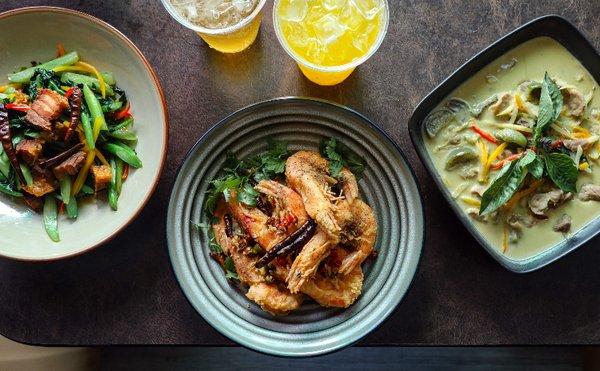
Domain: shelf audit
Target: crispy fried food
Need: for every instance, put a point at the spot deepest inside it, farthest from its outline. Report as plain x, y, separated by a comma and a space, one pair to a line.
338, 291
285, 214
233, 242
307, 262
274, 299
308, 174
360, 235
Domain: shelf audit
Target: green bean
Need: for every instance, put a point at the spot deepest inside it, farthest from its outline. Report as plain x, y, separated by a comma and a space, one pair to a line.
4, 164
86, 190
124, 124
65, 189
51, 218
6, 189
72, 211
113, 196
25, 75
26, 174
88, 131
94, 106
109, 78
92, 82
119, 182
124, 153
123, 134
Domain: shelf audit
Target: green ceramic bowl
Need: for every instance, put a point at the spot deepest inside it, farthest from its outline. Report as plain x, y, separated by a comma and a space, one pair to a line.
32, 34
388, 186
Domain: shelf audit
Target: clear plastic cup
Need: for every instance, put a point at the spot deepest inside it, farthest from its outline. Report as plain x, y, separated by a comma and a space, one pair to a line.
330, 75
231, 39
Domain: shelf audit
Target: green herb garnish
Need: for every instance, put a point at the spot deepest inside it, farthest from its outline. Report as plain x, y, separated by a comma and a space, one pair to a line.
340, 156
239, 175
506, 184
562, 171
551, 102
230, 271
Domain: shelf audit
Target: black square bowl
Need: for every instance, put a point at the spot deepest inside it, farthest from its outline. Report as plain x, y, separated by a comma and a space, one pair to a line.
575, 42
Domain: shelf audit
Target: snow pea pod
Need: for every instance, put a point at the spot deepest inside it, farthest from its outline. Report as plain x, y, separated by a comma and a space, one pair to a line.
51, 218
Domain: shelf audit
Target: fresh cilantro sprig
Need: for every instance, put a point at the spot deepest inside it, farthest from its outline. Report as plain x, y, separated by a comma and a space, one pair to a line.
340, 156
239, 175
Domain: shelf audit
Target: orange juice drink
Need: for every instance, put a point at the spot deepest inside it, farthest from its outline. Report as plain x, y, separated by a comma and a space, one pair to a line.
329, 38
228, 26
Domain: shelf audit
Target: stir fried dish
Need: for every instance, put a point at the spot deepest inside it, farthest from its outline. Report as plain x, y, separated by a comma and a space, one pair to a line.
66, 135
292, 226
517, 146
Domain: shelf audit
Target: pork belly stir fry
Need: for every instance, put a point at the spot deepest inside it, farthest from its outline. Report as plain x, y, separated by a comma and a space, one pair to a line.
66, 136
292, 226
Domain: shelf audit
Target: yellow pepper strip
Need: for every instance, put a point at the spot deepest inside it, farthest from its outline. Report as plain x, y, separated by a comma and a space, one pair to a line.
471, 201
584, 166
3, 88
97, 127
505, 239
483, 157
493, 156
70, 69
523, 193
79, 131
101, 157
83, 173
581, 133
93, 70
519, 103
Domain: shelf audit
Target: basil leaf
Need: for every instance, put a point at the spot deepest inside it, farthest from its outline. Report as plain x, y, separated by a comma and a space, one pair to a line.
562, 171
551, 102
507, 182
536, 168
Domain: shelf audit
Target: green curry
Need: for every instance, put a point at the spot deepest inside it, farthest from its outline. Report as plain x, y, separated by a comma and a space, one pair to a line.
517, 146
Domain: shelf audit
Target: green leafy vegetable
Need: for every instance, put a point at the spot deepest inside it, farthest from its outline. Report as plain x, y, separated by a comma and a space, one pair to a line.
43, 79
230, 271
536, 168
551, 102
562, 171
214, 246
507, 183
238, 173
340, 156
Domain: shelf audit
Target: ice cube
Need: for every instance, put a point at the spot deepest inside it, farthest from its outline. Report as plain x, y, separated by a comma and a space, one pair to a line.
351, 16
296, 34
368, 8
334, 4
294, 10
315, 52
328, 29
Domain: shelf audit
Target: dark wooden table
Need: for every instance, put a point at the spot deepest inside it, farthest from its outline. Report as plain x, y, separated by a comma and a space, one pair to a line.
126, 293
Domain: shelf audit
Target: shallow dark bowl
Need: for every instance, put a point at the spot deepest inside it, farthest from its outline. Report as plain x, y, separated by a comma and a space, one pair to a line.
576, 43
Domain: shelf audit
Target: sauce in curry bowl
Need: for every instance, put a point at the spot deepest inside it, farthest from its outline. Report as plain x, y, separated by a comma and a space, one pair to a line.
517, 146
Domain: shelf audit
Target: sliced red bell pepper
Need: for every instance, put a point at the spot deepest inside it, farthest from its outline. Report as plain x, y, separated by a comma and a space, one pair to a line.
484, 134
123, 113
17, 107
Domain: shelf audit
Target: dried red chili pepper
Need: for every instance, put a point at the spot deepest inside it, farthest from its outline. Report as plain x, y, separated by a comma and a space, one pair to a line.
6, 139
75, 104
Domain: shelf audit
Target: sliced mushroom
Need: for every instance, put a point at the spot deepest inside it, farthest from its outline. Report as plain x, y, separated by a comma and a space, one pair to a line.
573, 100
541, 202
503, 103
589, 192
563, 224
